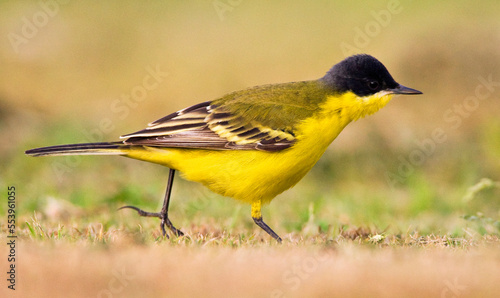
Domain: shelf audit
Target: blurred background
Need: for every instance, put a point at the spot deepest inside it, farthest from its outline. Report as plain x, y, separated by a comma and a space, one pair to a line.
91, 71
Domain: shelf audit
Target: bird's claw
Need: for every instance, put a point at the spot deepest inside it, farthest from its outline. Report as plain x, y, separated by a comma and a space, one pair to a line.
165, 221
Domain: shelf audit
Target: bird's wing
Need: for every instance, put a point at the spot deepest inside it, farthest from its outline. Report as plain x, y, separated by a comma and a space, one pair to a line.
242, 120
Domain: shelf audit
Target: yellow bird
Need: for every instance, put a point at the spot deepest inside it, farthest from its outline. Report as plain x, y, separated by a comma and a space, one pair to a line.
253, 144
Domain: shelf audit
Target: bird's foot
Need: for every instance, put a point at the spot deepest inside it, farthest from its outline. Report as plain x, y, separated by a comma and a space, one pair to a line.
165, 221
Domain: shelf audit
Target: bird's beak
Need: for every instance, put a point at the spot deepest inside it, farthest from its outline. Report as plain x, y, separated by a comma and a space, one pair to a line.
400, 89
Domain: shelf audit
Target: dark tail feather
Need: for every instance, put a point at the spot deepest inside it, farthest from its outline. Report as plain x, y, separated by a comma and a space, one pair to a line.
80, 149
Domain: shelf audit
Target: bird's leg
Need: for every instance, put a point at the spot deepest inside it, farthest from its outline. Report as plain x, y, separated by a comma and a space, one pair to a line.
164, 209
257, 218
163, 214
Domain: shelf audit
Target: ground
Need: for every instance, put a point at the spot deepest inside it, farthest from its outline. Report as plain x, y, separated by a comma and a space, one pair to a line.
404, 203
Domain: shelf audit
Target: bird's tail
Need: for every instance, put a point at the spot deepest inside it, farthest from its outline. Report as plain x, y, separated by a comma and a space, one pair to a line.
115, 148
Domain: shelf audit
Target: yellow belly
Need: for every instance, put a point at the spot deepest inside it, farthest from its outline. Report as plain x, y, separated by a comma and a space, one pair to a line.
241, 174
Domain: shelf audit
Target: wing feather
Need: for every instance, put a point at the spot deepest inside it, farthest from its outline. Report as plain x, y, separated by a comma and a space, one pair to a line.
205, 126
258, 118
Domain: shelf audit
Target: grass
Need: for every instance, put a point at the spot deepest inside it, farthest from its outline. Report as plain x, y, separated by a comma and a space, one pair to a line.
365, 222
98, 233
89, 259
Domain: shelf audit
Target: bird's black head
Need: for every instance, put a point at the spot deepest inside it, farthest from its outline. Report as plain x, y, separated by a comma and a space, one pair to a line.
363, 75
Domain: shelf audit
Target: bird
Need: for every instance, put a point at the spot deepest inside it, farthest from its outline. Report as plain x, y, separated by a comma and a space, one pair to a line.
253, 144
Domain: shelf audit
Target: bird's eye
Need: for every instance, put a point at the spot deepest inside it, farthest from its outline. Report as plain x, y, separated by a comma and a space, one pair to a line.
373, 85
